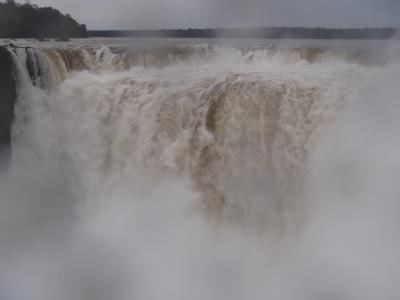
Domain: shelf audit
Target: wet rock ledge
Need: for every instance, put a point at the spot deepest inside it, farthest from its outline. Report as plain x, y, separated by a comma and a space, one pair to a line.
8, 97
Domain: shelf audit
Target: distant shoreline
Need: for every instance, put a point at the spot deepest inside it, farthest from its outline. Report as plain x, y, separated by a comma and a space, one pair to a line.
256, 33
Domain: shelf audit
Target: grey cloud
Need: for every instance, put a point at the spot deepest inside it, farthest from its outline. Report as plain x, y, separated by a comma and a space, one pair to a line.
127, 14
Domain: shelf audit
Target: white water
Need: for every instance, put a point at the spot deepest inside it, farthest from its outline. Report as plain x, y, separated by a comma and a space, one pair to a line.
212, 175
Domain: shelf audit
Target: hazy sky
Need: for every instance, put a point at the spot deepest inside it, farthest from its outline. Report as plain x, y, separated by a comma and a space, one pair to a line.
137, 14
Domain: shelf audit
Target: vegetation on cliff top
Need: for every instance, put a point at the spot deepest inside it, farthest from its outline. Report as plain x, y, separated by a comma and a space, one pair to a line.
30, 21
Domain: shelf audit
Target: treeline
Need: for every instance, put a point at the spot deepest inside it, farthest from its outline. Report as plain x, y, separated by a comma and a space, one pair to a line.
30, 21
266, 33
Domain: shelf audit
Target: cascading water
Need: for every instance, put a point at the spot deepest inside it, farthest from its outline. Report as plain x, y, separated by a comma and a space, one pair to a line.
147, 149
220, 126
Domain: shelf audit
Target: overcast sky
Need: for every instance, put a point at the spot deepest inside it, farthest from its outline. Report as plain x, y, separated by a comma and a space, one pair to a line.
148, 14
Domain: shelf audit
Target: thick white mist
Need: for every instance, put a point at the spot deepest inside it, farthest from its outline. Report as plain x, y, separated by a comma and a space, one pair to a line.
117, 179
355, 184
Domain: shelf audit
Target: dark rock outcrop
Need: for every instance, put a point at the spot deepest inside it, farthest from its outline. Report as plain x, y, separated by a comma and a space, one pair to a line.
8, 97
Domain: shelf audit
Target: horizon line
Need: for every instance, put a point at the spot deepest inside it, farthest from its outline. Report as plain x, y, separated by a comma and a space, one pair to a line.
253, 27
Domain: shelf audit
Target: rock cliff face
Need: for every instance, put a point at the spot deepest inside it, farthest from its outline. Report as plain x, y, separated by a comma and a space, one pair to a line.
7, 102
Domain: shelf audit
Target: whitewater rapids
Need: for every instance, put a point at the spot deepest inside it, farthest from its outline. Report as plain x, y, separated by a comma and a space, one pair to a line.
203, 172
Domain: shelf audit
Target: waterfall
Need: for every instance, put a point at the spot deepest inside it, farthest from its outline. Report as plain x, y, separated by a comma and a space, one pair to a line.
200, 172
228, 126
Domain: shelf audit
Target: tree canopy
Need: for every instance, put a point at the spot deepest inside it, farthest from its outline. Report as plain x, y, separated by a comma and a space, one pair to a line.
30, 21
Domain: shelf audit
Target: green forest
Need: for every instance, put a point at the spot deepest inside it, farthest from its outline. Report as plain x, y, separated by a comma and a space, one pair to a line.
30, 21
